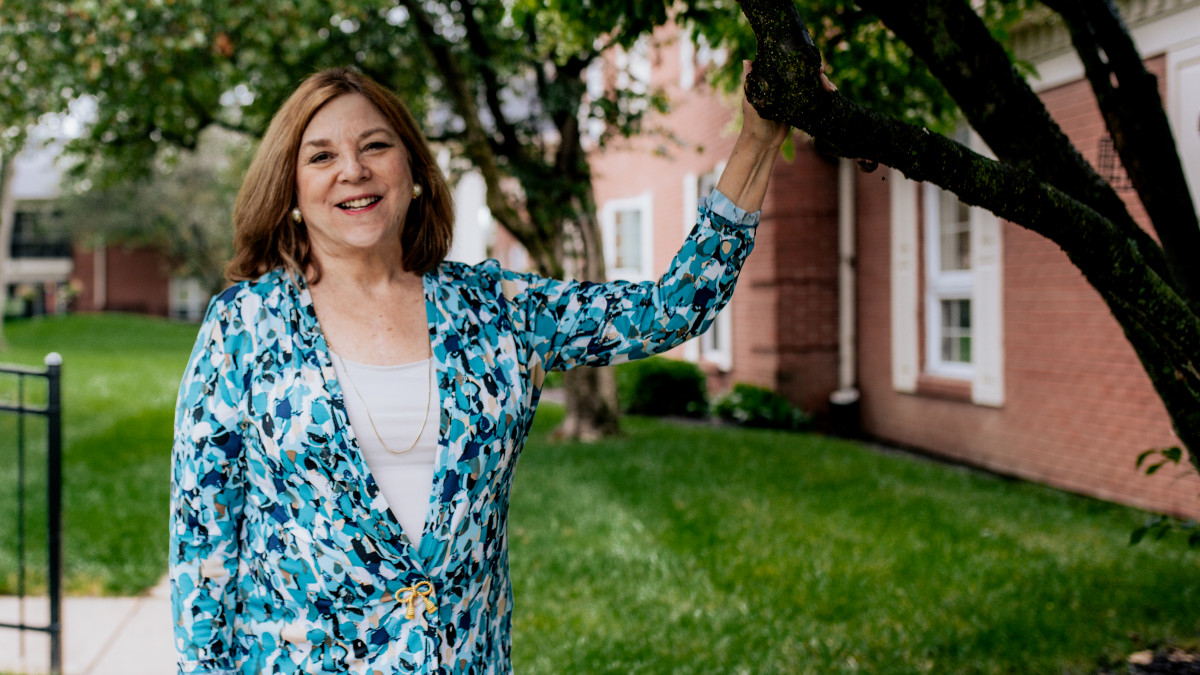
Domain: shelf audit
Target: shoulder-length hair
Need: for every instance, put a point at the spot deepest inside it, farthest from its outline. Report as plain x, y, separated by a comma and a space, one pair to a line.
265, 236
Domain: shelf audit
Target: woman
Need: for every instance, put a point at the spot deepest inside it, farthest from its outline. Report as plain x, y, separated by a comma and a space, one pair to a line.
349, 420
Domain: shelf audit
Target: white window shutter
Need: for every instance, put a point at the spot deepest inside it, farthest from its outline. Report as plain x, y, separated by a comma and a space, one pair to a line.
987, 261
904, 282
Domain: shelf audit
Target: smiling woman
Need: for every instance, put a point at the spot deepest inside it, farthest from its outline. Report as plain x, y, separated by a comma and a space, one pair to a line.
363, 529
352, 181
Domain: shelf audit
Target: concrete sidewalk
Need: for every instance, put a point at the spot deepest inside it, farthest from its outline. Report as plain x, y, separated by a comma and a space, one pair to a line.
101, 636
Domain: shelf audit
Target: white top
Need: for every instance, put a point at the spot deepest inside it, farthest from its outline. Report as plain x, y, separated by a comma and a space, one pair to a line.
395, 398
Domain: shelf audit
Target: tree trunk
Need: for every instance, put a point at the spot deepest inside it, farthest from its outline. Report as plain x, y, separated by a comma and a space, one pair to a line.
591, 393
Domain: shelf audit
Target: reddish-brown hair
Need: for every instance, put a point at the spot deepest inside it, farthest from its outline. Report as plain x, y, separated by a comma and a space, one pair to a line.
265, 237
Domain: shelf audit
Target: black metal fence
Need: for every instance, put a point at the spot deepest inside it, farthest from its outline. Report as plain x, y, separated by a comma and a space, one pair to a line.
16, 400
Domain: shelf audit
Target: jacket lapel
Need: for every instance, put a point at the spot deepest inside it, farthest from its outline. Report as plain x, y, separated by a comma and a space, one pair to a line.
344, 456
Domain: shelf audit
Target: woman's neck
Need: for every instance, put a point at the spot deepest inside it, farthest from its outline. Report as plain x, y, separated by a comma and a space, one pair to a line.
370, 273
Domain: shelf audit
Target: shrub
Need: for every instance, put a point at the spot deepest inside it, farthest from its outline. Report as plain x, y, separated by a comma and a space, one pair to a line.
753, 406
662, 386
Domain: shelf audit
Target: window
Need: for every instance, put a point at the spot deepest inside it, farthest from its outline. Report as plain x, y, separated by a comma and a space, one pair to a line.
626, 230
1183, 105
955, 334
188, 298
593, 123
709, 181
949, 288
949, 284
38, 234
716, 344
960, 292
627, 239
633, 72
695, 56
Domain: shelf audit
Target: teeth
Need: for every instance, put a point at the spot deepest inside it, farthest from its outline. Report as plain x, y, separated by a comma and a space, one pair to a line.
358, 203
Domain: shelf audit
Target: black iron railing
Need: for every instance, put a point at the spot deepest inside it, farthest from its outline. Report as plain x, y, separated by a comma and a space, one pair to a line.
51, 411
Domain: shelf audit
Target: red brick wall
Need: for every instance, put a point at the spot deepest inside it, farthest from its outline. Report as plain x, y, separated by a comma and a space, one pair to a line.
137, 280
84, 272
802, 209
785, 306
1078, 406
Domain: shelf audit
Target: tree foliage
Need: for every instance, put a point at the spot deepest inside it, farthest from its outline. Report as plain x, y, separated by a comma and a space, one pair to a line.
184, 208
1038, 179
499, 82
860, 53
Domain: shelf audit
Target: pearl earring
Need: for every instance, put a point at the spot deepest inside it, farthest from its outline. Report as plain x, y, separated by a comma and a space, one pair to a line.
296, 217
417, 190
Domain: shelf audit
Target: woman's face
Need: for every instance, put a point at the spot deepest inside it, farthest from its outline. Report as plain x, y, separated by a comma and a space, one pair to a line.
353, 181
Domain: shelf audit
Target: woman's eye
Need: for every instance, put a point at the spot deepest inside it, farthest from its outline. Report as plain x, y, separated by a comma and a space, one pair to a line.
378, 145
319, 157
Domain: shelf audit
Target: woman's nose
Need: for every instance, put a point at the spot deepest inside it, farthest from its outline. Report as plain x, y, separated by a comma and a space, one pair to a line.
353, 169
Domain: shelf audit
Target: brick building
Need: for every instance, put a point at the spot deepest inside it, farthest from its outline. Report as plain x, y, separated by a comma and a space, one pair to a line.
963, 336
43, 271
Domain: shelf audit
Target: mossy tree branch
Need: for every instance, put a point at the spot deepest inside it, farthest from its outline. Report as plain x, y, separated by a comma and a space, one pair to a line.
959, 50
1115, 259
1133, 111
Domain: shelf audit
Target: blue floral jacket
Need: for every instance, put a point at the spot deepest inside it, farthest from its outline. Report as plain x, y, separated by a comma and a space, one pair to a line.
285, 557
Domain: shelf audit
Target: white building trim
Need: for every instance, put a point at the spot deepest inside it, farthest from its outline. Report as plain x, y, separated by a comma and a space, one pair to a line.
904, 282
643, 204
1183, 110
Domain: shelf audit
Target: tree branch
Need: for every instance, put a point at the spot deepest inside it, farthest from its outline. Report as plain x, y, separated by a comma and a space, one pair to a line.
1177, 386
785, 86
509, 143
1133, 111
476, 143
1160, 325
1006, 113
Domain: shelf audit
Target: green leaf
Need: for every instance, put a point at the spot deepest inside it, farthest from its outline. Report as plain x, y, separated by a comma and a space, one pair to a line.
1150, 471
1173, 454
1137, 535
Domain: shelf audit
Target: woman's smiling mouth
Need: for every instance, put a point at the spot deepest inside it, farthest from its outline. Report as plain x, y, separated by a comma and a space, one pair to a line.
358, 203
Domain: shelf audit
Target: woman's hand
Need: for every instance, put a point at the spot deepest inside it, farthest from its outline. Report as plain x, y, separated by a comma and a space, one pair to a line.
764, 132
748, 170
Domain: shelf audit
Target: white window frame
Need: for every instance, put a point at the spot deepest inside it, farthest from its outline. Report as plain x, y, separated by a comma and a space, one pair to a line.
1185, 120
643, 203
904, 282
188, 298
943, 285
987, 294
596, 89
695, 55
687, 59
634, 70
716, 343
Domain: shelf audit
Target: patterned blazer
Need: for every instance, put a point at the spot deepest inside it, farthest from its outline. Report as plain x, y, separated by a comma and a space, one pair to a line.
285, 557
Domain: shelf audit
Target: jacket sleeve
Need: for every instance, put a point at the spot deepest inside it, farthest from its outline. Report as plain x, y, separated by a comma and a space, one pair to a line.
572, 323
206, 496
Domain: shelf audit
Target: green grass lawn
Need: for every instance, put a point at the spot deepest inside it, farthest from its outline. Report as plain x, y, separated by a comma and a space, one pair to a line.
685, 548
688, 549
120, 377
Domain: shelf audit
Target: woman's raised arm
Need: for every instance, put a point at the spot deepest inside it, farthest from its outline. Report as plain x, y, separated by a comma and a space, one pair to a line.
744, 180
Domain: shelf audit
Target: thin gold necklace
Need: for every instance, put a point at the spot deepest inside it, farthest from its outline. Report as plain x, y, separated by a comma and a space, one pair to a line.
367, 409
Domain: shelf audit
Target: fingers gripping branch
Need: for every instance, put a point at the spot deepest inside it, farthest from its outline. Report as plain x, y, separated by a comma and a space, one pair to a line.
787, 68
